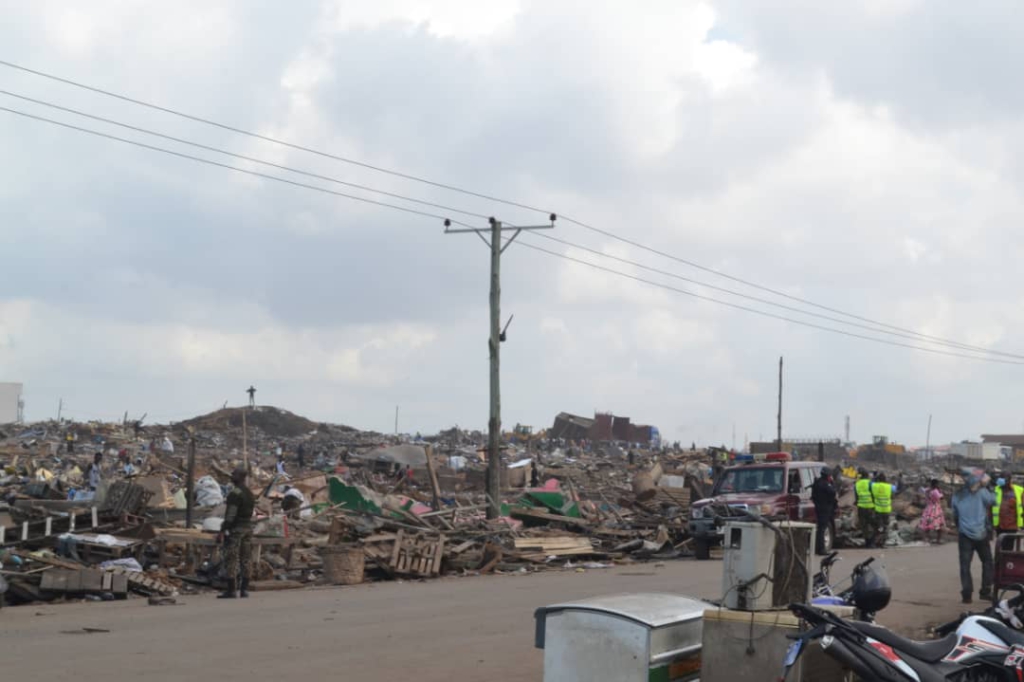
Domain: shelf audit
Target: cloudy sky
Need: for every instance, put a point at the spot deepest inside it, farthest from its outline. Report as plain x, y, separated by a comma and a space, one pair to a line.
865, 156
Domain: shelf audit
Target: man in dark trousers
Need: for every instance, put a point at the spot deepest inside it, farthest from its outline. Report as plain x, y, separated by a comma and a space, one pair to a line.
236, 534
972, 511
825, 499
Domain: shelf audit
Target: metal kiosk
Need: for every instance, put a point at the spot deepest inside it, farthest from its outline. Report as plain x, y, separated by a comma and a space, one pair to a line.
622, 638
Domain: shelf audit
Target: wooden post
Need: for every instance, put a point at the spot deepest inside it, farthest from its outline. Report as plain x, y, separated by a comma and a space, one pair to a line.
190, 481
494, 345
434, 487
245, 444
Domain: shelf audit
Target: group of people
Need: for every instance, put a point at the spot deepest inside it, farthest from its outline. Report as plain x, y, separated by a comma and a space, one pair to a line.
874, 506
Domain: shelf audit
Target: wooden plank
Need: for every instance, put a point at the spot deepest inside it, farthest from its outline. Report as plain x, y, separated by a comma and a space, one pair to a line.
520, 513
396, 553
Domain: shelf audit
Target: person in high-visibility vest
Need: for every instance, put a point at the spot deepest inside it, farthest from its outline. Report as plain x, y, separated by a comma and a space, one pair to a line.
865, 507
1008, 511
881, 492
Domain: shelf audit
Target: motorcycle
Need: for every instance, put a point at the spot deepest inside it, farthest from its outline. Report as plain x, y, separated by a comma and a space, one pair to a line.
869, 591
974, 648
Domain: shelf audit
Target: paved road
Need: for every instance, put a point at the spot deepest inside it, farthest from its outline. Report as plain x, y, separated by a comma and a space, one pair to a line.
475, 628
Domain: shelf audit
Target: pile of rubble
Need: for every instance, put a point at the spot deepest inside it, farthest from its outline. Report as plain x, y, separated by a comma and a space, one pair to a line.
99, 510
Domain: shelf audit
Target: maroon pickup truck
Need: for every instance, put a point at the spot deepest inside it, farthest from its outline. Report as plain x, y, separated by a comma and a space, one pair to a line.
773, 487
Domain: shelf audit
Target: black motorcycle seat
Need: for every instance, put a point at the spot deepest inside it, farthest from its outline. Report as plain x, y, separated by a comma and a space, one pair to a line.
931, 651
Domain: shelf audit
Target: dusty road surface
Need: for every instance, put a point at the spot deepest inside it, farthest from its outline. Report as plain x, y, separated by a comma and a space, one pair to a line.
475, 628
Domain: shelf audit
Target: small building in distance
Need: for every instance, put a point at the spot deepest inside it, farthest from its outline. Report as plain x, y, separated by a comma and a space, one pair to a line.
11, 405
603, 427
1011, 444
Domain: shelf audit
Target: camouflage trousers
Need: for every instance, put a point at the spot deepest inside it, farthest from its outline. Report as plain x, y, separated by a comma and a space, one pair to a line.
238, 554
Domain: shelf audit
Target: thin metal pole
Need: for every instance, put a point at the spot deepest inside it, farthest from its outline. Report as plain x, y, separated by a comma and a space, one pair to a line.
494, 423
778, 437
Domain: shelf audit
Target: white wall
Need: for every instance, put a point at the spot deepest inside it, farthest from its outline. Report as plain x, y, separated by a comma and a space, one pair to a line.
10, 393
991, 451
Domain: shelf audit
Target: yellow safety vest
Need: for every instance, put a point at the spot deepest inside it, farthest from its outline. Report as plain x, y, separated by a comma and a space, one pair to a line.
882, 493
864, 498
1018, 492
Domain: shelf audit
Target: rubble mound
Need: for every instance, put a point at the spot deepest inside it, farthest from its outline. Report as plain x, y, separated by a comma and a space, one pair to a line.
272, 421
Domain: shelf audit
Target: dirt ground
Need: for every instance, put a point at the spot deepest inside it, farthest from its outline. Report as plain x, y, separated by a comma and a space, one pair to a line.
474, 628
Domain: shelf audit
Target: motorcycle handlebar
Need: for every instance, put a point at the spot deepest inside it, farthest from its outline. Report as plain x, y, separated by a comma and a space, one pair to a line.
1019, 599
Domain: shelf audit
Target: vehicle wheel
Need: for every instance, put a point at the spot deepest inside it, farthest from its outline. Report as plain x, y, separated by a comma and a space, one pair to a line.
701, 549
828, 539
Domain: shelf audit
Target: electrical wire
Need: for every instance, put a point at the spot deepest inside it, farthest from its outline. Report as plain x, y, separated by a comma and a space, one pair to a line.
229, 167
762, 312
523, 244
243, 157
480, 195
626, 261
266, 138
77, 112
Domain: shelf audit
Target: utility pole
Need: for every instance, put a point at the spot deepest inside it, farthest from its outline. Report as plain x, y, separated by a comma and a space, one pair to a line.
60, 408
190, 481
396, 420
778, 436
497, 335
928, 439
847, 429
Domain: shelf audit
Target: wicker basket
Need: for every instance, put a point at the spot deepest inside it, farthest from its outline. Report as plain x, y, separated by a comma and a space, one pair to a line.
343, 564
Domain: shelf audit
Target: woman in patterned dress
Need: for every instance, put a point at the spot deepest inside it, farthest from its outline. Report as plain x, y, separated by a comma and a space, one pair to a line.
934, 517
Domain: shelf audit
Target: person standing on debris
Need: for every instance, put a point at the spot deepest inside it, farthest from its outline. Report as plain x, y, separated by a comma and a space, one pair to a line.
825, 499
972, 509
1008, 511
252, 395
95, 475
300, 455
69, 439
236, 534
934, 518
881, 492
865, 508
167, 446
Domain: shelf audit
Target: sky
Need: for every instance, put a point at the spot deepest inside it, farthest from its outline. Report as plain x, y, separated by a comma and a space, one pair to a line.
864, 156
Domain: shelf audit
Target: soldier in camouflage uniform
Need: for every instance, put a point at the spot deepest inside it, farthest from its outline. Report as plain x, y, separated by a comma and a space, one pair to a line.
236, 534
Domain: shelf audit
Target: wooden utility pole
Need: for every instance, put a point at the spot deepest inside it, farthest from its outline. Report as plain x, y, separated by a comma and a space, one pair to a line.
497, 335
396, 420
928, 439
778, 433
190, 483
245, 444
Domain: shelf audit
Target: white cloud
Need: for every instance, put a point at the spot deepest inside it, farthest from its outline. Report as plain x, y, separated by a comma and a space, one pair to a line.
878, 176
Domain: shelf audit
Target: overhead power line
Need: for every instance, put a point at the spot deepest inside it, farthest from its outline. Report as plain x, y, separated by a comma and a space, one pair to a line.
782, 306
451, 209
530, 246
199, 159
243, 157
760, 312
488, 197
